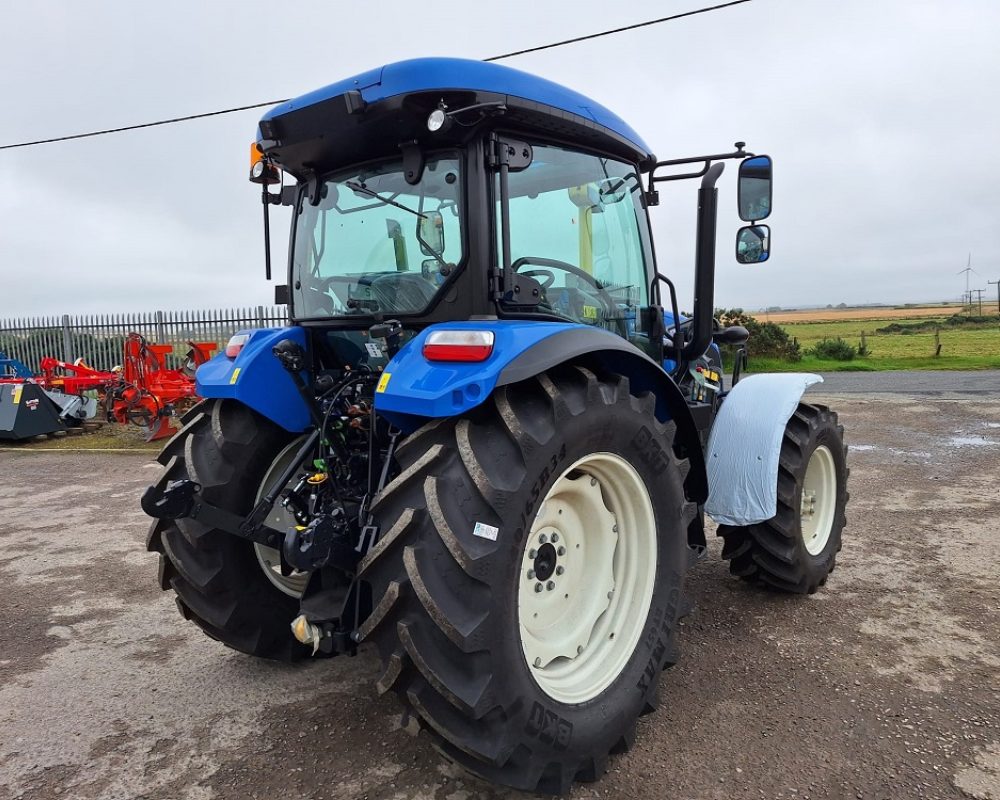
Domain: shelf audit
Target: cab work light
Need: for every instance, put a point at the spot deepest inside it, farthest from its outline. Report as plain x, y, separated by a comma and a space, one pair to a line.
260, 170
455, 345
235, 344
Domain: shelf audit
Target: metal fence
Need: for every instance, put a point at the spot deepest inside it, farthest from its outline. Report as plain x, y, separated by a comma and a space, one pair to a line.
98, 339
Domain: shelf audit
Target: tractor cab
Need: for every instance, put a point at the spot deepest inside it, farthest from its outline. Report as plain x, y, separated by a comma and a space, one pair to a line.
438, 190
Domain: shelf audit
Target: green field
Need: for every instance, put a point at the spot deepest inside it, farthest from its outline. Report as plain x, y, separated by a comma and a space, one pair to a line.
961, 348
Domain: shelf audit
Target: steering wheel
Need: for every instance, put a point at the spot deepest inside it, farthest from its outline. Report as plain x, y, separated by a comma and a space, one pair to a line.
553, 263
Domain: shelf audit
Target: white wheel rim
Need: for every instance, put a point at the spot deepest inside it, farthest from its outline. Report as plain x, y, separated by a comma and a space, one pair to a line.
282, 520
586, 580
819, 500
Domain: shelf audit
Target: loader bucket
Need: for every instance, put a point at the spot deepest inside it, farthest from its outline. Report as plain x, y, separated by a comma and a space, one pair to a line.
26, 411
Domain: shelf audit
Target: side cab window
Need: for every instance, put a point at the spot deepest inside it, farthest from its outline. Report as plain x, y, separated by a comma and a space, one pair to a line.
583, 215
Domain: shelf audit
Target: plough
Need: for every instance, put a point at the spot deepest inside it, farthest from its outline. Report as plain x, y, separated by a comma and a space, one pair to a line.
143, 391
147, 393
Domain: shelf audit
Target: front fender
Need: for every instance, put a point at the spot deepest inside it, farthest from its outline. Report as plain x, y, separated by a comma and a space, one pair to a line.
745, 444
257, 379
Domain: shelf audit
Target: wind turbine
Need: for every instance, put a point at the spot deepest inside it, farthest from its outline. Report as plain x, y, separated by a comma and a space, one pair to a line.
967, 270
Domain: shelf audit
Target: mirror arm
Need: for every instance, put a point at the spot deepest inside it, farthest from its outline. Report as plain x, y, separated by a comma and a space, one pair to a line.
653, 197
683, 176
739, 152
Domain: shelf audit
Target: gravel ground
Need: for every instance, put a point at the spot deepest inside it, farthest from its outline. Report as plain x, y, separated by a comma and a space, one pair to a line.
884, 685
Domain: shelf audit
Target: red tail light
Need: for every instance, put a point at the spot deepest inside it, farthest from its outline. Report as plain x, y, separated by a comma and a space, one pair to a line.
236, 343
454, 345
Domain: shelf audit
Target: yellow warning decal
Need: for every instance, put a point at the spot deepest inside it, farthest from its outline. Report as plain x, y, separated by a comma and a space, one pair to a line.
590, 312
383, 382
235, 375
17, 395
712, 376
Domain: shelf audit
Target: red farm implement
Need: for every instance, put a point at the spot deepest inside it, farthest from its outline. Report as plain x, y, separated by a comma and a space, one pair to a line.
148, 392
143, 391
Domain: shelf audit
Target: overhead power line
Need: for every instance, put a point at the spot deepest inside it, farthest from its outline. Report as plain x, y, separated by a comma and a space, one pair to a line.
616, 30
141, 125
220, 112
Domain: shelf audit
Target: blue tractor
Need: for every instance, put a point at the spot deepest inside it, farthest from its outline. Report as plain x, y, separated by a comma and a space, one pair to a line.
488, 442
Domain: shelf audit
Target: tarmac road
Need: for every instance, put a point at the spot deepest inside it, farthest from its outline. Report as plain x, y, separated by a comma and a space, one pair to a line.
884, 685
931, 382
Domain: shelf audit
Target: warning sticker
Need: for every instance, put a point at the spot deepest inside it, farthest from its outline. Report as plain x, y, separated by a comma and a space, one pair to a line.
17, 395
383, 382
234, 376
484, 531
373, 350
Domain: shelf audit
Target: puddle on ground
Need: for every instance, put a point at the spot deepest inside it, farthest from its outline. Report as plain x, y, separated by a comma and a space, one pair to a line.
870, 448
970, 441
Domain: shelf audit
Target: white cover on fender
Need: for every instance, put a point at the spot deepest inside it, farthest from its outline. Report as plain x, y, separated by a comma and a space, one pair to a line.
743, 448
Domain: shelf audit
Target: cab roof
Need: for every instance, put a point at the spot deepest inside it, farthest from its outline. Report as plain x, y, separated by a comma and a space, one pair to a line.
532, 102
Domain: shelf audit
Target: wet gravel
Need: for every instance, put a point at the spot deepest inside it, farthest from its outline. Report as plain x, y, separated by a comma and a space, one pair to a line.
884, 685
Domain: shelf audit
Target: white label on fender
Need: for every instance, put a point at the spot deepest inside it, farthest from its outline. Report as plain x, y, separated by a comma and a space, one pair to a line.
484, 531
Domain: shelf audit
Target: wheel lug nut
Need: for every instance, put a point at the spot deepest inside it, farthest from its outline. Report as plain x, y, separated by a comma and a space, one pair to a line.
532, 553
593, 481
579, 649
531, 574
559, 570
555, 538
561, 551
550, 585
543, 539
538, 587
614, 528
538, 662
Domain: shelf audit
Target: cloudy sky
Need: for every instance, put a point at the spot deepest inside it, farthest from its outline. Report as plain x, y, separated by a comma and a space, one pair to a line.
881, 116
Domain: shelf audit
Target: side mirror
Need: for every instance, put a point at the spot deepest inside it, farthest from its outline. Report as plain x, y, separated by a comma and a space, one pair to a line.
753, 244
753, 196
430, 233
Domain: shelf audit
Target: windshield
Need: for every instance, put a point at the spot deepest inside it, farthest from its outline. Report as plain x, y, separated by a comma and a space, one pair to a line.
374, 244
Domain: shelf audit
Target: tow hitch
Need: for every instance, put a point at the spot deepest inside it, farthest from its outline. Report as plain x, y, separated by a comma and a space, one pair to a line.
181, 499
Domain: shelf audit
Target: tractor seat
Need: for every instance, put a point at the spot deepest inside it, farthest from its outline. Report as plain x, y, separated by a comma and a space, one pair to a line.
734, 334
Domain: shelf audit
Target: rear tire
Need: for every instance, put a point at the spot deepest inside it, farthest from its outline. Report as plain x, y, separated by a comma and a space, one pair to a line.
457, 525
219, 583
796, 550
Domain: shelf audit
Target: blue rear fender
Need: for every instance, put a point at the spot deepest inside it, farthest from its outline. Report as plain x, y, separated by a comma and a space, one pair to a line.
257, 379
414, 390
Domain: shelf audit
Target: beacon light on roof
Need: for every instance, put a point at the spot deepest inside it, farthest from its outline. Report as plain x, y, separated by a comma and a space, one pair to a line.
457, 345
260, 170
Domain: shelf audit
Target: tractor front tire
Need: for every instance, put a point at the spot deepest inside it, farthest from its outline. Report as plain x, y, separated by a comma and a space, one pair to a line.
219, 582
796, 550
516, 543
